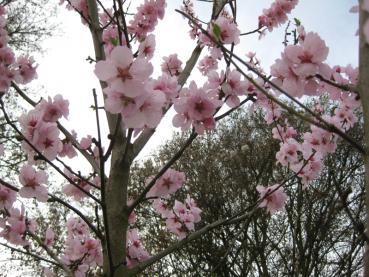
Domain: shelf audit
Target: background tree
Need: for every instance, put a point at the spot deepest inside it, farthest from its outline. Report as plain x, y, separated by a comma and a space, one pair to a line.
313, 236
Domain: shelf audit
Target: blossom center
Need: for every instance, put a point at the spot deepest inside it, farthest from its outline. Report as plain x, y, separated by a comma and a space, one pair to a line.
124, 74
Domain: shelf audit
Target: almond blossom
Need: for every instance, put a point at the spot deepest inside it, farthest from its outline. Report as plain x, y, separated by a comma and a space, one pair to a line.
273, 197
171, 65
123, 73
277, 13
32, 181
14, 230
229, 33
167, 184
53, 110
76, 190
147, 17
298, 63
49, 237
196, 107
7, 197
136, 251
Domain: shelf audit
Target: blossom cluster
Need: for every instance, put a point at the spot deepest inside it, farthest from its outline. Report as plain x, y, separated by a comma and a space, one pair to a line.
273, 197
128, 91
223, 30
136, 252
181, 218
196, 107
21, 69
147, 17
299, 63
82, 251
16, 224
80, 185
277, 13
40, 129
301, 71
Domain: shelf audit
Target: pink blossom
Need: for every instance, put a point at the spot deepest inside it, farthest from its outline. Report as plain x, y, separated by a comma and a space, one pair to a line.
25, 70
32, 181
49, 237
277, 13
6, 76
137, 112
196, 106
110, 38
193, 209
320, 140
47, 141
7, 197
77, 227
310, 169
136, 250
175, 226
229, 33
233, 87
171, 65
68, 150
283, 133
161, 207
167, 184
215, 79
147, 47
6, 56
299, 62
288, 152
273, 197
86, 142
53, 110
48, 273
147, 17
75, 190
207, 64
168, 85
14, 231
92, 251
149, 111
124, 74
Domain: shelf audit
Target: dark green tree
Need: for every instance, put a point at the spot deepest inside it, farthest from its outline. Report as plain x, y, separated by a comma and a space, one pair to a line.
317, 234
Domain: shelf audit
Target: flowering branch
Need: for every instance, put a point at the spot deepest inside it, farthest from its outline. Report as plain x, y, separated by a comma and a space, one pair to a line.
51, 254
43, 157
54, 198
67, 134
322, 123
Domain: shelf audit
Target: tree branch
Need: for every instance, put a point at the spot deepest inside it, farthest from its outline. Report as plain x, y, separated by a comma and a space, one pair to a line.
35, 256
67, 134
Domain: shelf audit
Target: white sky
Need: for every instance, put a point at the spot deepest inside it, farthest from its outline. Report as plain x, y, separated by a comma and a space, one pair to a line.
64, 69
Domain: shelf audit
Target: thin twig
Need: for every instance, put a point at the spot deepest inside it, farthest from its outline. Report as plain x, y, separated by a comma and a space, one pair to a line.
28, 253
339, 86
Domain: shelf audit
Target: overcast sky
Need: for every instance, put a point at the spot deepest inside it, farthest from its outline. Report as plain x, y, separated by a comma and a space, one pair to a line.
64, 69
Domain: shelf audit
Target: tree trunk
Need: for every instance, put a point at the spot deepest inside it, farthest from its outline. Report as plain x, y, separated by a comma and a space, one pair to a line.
116, 211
